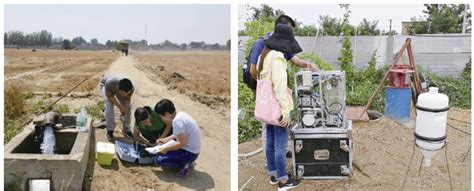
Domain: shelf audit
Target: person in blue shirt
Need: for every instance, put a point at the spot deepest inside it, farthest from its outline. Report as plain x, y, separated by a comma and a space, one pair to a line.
258, 46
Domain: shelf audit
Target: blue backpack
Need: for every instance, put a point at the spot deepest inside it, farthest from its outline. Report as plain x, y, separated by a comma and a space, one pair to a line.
247, 78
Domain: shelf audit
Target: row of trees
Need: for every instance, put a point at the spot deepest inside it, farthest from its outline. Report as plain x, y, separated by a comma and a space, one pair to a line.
438, 18
329, 26
42, 38
442, 18
45, 39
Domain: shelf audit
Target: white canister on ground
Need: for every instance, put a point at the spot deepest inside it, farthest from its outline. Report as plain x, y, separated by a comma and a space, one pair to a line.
431, 117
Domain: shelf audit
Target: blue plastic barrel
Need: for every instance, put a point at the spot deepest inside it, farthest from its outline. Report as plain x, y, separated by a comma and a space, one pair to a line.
397, 104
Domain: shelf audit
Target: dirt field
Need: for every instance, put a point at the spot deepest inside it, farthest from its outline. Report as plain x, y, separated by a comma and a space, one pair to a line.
202, 75
213, 164
382, 150
56, 70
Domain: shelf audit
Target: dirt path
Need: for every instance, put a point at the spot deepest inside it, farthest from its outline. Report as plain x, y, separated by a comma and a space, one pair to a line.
213, 165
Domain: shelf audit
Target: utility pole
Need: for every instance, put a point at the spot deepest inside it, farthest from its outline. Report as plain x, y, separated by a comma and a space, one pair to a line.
146, 42
464, 19
390, 28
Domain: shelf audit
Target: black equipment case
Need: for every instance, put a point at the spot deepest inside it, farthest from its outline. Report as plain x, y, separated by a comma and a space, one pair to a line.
322, 153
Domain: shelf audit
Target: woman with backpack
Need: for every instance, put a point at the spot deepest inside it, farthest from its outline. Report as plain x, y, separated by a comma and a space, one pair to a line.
274, 101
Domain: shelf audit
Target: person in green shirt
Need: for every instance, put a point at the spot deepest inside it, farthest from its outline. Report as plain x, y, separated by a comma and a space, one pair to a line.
149, 127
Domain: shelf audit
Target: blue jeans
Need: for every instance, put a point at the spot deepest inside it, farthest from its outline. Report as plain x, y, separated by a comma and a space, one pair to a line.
277, 139
175, 159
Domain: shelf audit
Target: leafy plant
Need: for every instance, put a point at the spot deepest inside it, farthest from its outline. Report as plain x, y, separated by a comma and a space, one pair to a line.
248, 125
458, 89
365, 82
96, 110
317, 60
345, 58
62, 108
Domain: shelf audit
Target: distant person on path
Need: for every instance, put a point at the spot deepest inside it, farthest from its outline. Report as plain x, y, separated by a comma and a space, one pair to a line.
116, 91
149, 127
125, 50
185, 132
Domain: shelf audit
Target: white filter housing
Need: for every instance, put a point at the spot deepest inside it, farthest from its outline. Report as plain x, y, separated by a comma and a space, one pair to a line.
431, 117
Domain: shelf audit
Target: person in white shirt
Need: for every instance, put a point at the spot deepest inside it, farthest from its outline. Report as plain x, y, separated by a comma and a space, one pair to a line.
185, 132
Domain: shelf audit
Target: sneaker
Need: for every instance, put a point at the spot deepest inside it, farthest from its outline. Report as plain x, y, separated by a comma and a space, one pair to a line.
127, 133
186, 171
273, 180
291, 183
110, 136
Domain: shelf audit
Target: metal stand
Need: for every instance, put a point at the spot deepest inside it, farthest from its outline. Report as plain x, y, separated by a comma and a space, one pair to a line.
411, 159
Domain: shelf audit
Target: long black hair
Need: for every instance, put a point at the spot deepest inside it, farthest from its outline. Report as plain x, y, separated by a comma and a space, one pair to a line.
142, 113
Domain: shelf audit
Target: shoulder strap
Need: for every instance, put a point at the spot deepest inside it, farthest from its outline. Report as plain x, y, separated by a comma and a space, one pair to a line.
260, 67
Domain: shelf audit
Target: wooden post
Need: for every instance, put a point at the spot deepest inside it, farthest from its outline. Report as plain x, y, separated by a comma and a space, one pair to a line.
416, 77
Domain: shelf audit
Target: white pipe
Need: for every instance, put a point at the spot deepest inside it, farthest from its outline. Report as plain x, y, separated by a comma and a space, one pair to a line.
245, 155
243, 186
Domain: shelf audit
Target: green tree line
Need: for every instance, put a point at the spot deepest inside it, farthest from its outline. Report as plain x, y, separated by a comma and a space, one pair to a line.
437, 18
45, 39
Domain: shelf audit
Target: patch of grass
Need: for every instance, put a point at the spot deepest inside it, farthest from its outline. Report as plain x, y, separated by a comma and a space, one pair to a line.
28, 95
96, 110
61, 108
13, 127
38, 106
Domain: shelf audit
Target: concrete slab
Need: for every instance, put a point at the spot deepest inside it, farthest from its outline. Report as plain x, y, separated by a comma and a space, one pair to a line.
66, 169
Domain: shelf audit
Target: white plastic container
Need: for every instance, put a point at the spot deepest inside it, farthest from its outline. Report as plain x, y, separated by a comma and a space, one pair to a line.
105, 153
81, 120
431, 117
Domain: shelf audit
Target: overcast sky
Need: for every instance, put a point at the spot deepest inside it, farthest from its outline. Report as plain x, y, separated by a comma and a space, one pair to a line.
177, 23
309, 14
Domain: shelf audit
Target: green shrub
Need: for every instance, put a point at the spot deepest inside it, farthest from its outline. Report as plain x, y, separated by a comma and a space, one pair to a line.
96, 110
458, 89
249, 127
317, 60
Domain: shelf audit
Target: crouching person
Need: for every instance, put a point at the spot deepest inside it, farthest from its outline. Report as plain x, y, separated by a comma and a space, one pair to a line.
149, 127
185, 132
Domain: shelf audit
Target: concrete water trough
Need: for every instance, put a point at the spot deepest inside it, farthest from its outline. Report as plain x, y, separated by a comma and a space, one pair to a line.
65, 169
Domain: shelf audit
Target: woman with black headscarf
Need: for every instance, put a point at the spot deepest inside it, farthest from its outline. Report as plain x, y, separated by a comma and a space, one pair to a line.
273, 62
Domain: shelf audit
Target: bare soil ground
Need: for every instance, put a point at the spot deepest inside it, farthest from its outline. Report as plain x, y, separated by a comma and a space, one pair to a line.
56, 70
202, 75
213, 164
382, 151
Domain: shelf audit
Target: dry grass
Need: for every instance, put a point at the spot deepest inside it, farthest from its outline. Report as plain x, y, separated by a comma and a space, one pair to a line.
50, 71
14, 105
56, 70
14, 110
